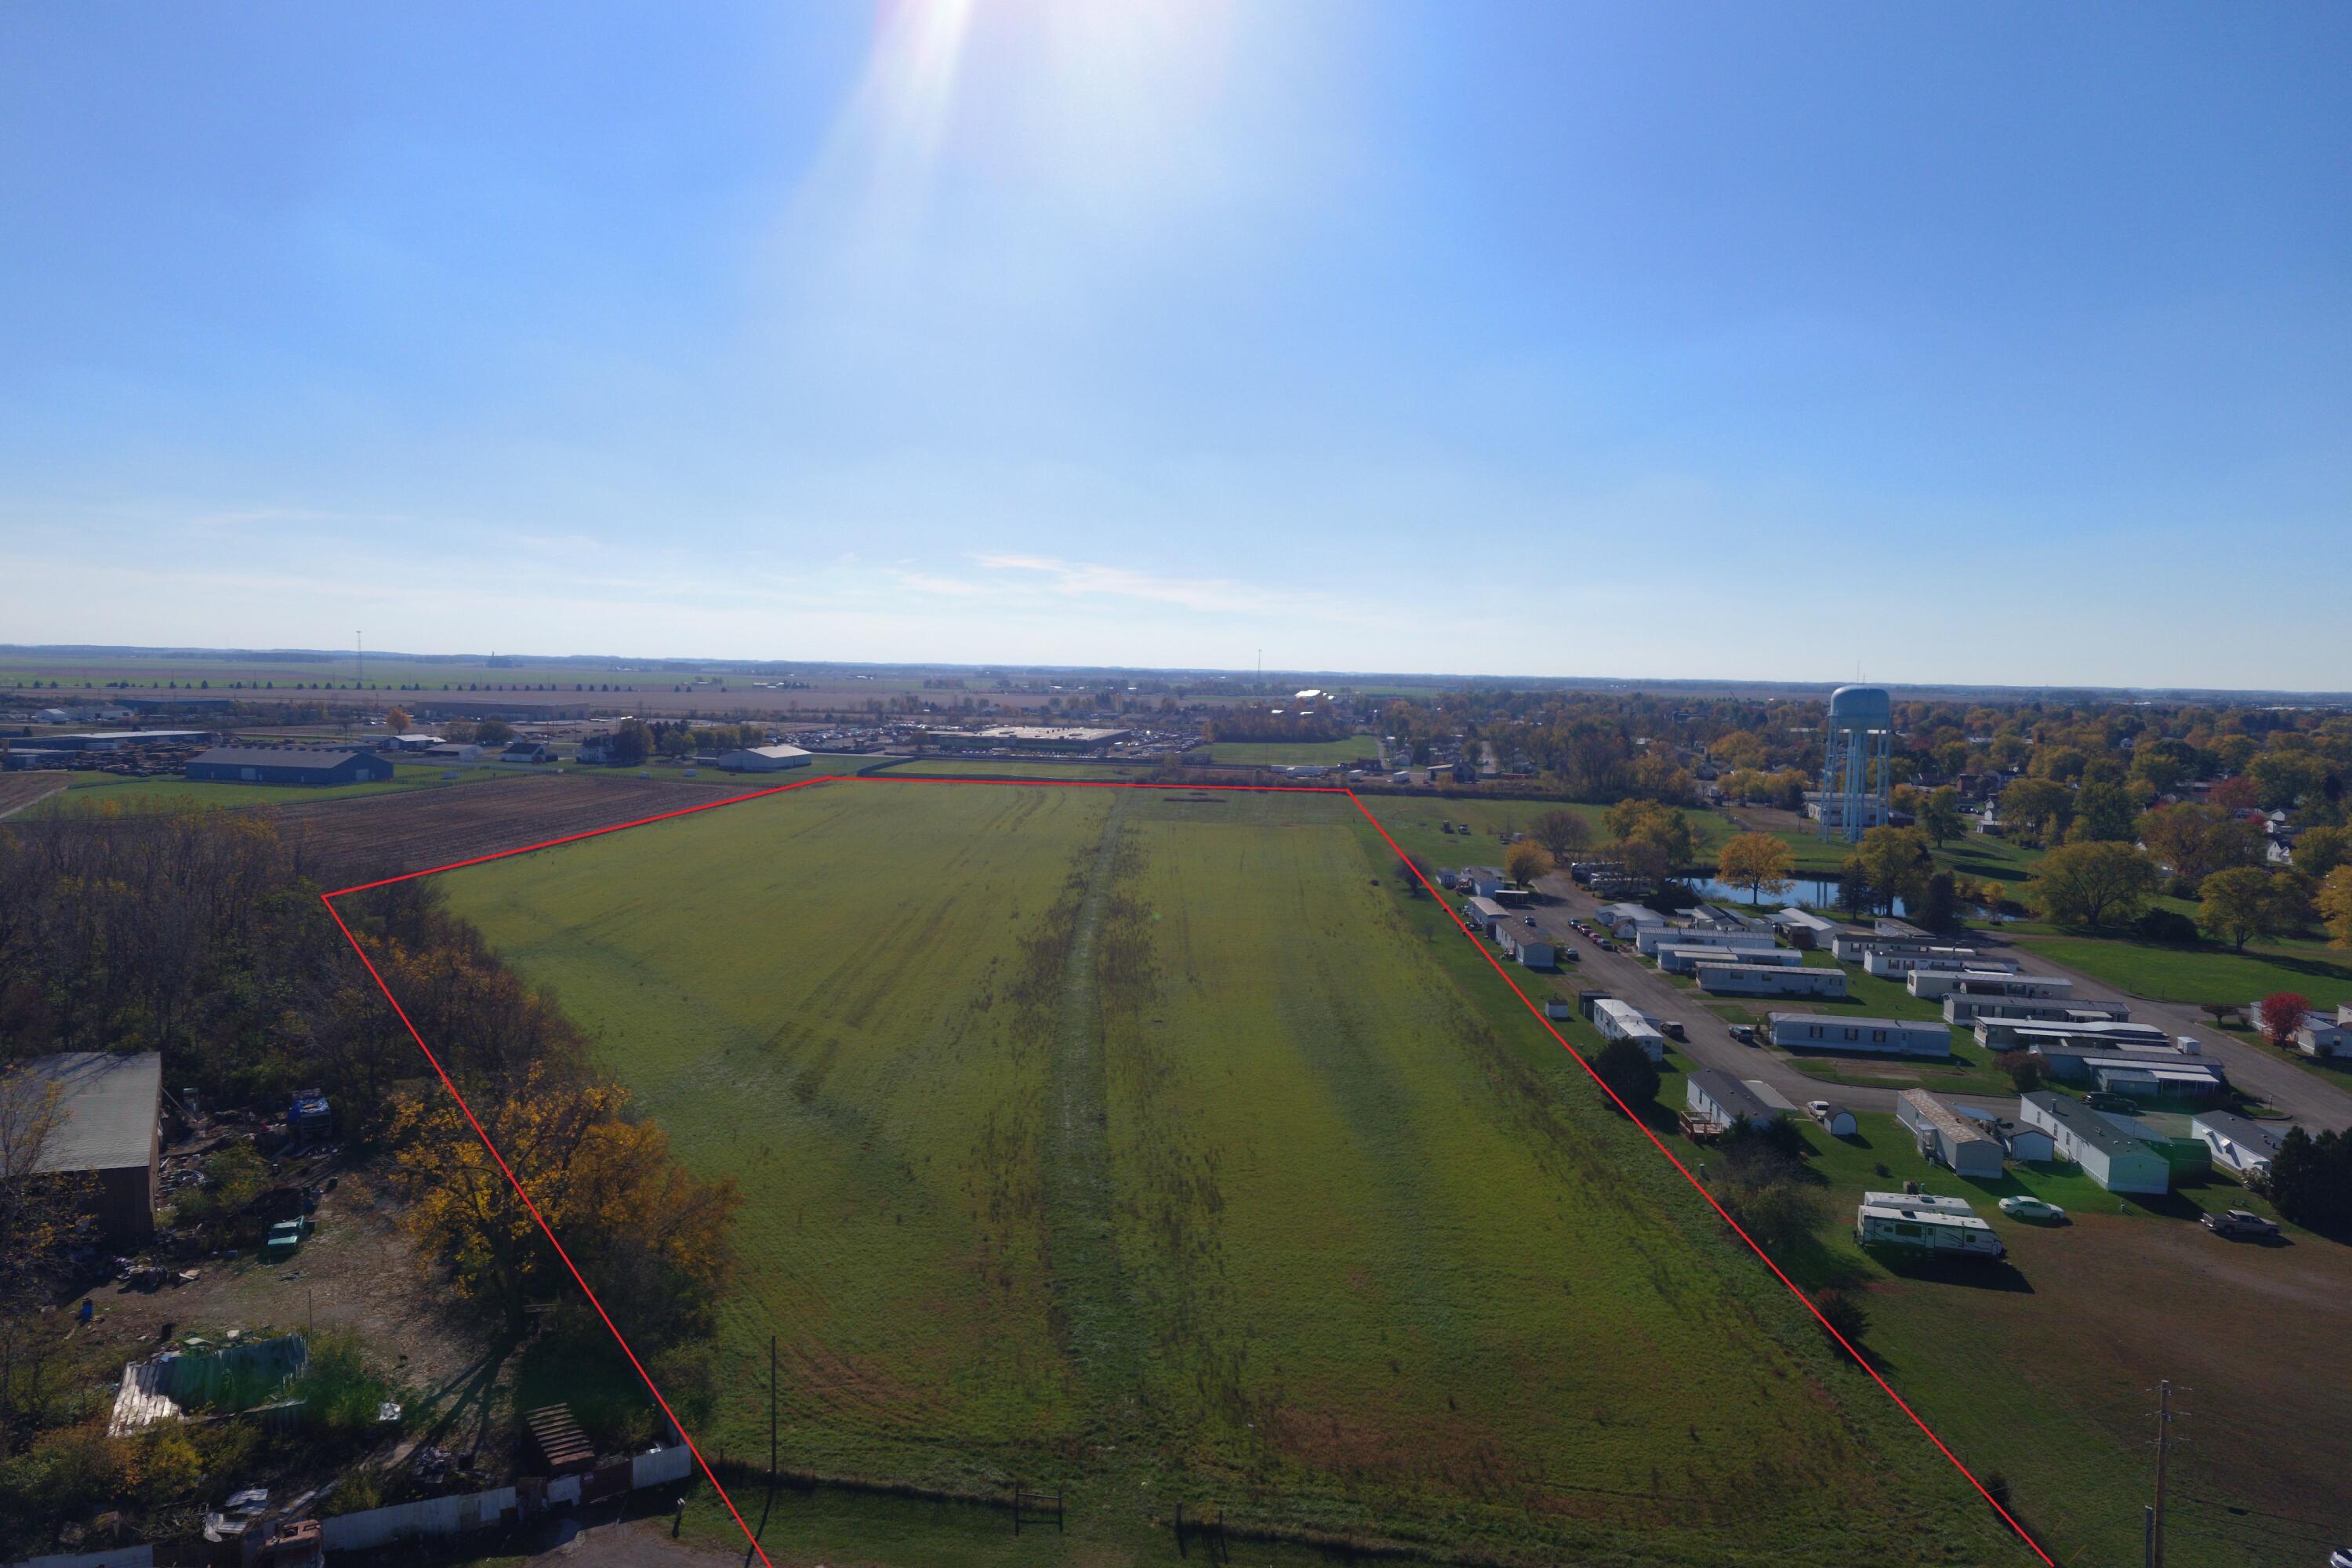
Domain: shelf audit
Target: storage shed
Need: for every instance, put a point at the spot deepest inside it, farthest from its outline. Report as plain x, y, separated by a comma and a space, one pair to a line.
109, 1114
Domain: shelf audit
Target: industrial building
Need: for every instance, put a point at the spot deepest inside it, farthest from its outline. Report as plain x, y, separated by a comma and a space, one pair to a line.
1741, 979
1889, 1036
288, 766
109, 1128
763, 759
1958, 1143
126, 740
2117, 1160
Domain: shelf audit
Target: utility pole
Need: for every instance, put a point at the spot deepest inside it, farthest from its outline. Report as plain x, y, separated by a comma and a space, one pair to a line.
359, 642
772, 1410
2163, 1450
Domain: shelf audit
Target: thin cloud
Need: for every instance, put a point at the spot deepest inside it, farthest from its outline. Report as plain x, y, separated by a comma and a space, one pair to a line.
1208, 595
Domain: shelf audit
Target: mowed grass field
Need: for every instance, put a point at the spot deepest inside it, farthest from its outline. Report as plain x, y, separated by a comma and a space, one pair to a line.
1160, 1148
95, 792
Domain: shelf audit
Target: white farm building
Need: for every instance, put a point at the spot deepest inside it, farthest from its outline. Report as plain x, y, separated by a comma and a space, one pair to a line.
763, 759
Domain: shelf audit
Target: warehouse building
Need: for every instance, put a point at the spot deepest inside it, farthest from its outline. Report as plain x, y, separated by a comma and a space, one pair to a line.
1888, 1037
108, 1128
1744, 979
288, 766
763, 759
2110, 1156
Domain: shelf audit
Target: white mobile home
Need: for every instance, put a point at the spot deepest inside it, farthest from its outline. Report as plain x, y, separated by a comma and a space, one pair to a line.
2322, 1036
1483, 914
1647, 940
1529, 947
1969, 1009
1624, 920
1948, 1138
1677, 959
1886, 1036
1896, 965
1622, 1021
1483, 881
1998, 1034
1929, 983
1723, 1101
2110, 1156
1769, 980
2244, 1148
1915, 1223
1803, 927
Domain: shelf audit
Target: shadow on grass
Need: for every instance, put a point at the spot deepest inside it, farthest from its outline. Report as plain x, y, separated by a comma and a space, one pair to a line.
1974, 1273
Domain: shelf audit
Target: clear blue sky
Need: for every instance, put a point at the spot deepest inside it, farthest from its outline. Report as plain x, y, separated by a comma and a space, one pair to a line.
2003, 342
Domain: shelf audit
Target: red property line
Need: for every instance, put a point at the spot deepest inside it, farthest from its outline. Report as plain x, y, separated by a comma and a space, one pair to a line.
329, 899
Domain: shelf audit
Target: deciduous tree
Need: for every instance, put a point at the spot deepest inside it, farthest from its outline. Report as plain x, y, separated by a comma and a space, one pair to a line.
2281, 1015
1562, 833
1939, 816
1525, 861
397, 721
1756, 861
2237, 905
2092, 884
2335, 901
1898, 863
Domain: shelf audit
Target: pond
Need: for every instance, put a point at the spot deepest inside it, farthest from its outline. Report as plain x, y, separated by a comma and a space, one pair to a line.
1813, 892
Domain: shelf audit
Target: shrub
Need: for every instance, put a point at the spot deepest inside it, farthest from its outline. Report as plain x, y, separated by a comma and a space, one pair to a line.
2165, 925
2023, 1067
1628, 1071
1843, 1313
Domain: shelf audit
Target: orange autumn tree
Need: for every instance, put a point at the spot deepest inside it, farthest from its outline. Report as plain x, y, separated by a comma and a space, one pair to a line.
651, 1239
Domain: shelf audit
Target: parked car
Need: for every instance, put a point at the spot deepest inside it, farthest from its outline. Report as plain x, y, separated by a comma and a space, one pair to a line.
1530, 920
1605, 944
2109, 1102
2237, 1222
2031, 1208
1744, 1033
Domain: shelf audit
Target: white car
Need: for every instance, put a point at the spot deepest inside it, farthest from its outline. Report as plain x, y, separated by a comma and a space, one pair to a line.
2030, 1208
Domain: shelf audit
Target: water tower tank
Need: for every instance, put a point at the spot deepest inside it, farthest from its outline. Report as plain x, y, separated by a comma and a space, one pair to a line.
1863, 708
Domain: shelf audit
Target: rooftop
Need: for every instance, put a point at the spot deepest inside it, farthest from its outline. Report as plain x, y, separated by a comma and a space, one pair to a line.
1729, 1095
1959, 1129
109, 1105
2086, 1124
280, 756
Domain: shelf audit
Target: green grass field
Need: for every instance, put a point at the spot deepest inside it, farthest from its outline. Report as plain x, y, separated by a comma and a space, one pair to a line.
94, 792
1164, 1149
1295, 753
2207, 972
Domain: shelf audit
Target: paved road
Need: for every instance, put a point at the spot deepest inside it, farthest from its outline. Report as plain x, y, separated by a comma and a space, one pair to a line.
1633, 979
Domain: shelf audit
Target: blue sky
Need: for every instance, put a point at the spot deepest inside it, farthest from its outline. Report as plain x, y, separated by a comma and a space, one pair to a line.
1974, 343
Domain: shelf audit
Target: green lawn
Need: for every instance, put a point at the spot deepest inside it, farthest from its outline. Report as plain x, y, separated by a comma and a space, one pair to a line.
2207, 972
92, 792
1167, 1149
1295, 753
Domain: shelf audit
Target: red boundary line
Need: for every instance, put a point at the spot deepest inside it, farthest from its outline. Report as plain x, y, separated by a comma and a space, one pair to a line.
1578, 1056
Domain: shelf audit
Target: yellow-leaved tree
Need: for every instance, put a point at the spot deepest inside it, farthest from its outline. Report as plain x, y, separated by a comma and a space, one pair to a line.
1758, 862
651, 1239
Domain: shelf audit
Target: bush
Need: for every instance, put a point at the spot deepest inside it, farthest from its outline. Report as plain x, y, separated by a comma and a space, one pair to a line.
342, 1394
2023, 1067
1843, 1313
1628, 1071
2165, 925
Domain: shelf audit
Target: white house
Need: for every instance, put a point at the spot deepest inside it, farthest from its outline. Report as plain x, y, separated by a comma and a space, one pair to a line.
1529, 947
1676, 958
1624, 920
763, 759
1723, 1101
1948, 1138
2244, 1148
1803, 927
1619, 1020
1886, 1036
2324, 1037
1769, 980
1649, 939
2110, 1156
1483, 914
1929, 983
